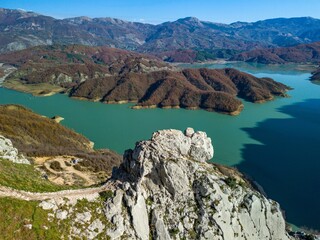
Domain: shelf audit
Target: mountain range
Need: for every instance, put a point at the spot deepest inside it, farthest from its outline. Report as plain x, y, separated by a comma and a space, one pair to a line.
20, 29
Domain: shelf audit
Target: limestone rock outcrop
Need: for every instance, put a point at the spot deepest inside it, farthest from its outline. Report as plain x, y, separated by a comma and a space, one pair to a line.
8, 152
165, 189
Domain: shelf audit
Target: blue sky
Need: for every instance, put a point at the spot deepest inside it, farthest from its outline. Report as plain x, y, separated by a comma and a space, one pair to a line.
225, 11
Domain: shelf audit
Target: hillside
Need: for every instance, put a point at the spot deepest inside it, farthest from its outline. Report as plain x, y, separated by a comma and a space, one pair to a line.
164, 189
190, 88
303, 53
111, 75
38, 136
49, 69
316, 76
194, 55
20, 30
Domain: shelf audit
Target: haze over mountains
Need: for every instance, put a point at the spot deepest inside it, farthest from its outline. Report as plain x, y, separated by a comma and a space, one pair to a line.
19, 30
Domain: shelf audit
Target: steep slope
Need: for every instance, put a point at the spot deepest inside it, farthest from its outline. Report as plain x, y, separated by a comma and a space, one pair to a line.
19, 30
35, 135
167, 190
164, 189
316, 76
8, 152
304, 53
112, 75
190, 88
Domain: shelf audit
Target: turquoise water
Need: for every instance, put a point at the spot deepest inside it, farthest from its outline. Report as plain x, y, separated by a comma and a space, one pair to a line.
244, 141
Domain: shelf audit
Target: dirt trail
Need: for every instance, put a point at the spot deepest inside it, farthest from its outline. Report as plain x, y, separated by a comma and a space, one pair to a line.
74, 194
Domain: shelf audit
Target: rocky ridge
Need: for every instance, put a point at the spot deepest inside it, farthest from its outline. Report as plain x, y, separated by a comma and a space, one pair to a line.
8, 152
164, 189
167, 190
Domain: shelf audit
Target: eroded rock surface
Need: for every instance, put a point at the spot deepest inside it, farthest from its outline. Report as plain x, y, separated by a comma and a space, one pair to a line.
8, 152
166, 190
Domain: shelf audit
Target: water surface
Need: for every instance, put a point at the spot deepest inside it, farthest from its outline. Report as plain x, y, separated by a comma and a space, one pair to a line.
263, 141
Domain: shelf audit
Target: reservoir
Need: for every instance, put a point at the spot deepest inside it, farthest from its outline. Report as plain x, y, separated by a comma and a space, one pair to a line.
277, 143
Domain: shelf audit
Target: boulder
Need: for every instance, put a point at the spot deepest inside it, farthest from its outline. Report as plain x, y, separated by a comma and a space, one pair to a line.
8, 152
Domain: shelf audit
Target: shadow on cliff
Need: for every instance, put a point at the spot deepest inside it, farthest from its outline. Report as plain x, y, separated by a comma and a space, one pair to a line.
287, 164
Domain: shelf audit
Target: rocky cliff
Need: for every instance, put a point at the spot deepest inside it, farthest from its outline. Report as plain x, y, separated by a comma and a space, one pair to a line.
8, 152
165, 189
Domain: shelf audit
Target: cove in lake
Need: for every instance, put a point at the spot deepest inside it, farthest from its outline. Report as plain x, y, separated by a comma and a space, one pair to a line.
273, 142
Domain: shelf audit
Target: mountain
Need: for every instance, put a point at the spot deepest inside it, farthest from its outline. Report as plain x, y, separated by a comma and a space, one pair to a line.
111, 75
164, 189
303, 53
209, 89
19, 30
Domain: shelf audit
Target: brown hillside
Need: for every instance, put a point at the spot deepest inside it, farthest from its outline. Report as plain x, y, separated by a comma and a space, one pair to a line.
304, 53
112, 75
35, 135
190, 88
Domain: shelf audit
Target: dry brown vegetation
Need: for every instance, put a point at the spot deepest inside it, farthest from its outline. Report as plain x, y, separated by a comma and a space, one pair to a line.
113, 75
49, 63
304, 53
211, 89
35, 135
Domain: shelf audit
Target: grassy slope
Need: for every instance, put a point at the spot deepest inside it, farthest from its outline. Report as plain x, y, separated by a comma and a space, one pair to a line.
25, 177
35, 135
14, 214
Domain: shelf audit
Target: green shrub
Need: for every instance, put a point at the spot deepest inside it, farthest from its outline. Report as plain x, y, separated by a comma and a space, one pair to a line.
231, 182
106, 194
55, 165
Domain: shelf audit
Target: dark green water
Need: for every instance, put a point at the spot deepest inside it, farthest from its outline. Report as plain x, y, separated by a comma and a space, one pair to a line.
276, 143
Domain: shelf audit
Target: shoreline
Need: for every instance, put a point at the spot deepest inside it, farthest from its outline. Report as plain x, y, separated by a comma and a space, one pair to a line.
234, 113
33, 89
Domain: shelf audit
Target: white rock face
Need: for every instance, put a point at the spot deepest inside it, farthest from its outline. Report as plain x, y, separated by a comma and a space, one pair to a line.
8, 152
166, 190
83, 217
61, 214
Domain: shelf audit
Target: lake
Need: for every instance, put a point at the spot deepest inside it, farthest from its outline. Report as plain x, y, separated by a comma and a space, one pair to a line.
276, 143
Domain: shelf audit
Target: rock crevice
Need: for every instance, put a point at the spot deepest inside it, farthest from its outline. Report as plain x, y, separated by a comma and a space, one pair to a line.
167, 190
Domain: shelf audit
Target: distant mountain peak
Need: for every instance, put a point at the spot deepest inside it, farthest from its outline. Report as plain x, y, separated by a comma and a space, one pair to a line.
190, 20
